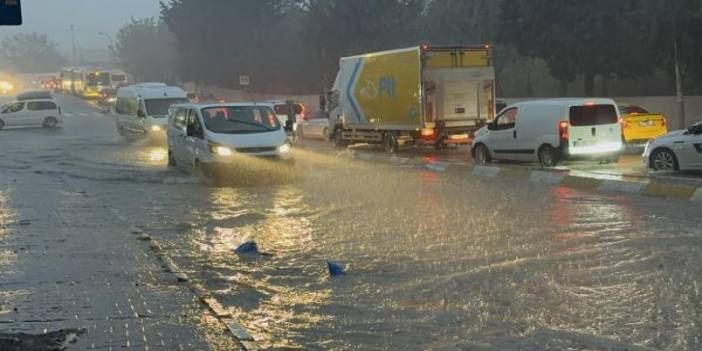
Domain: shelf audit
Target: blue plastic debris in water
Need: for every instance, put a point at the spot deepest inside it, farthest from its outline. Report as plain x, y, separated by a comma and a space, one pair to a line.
335, 269
248, 247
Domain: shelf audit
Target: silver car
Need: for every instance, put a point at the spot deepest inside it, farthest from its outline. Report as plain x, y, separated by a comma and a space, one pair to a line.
680, 150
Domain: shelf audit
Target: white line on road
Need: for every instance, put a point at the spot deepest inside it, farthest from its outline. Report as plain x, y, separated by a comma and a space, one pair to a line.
84, 114
68, 114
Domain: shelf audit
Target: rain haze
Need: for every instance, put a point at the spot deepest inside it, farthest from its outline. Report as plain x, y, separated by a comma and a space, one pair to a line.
89, 18
361, 175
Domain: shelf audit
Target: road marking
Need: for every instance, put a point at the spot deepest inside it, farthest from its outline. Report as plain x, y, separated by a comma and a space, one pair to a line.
96, 114
68, 114
84, 114
698, 195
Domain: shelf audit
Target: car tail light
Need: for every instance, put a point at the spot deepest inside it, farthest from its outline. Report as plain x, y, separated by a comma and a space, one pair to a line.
428, 133
624, 123
563, 131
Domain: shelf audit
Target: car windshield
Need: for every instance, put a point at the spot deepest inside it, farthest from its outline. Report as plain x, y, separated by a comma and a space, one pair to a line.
240, 119
159, 107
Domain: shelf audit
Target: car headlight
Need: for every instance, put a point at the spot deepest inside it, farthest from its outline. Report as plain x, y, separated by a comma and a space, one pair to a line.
220, 150
155, 128
284, 149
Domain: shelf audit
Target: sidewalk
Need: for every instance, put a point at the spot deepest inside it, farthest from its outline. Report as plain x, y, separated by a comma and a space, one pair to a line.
68, 265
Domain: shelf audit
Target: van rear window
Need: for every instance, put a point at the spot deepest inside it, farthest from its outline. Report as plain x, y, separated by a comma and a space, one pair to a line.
592, 115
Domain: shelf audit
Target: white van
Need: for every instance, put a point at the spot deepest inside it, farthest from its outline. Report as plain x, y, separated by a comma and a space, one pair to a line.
550, 131
31, 112
207, 136
142, 109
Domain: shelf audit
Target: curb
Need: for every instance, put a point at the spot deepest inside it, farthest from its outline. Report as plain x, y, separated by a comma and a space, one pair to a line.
572, 179
237, 331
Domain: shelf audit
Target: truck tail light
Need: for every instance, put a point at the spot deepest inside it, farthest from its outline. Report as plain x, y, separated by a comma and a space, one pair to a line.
428, 133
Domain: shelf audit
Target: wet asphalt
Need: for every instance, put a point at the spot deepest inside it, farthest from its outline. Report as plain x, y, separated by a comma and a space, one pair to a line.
433, 261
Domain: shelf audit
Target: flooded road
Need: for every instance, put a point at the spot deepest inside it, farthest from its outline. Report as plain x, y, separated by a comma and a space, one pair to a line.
434, 262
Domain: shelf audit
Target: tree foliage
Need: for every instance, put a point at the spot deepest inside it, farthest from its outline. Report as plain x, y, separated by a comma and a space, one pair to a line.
145, 48
30, 53
295, 45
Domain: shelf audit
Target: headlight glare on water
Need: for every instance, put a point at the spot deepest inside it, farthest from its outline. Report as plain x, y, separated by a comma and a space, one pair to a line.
284, 149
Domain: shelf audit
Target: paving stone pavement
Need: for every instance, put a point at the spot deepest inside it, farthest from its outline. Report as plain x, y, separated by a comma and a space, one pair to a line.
66, 261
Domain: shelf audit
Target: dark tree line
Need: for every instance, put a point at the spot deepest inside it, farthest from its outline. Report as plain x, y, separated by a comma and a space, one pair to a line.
293, 46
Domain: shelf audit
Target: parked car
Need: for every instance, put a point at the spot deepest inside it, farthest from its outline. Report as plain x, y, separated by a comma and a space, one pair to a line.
550, 131
639, 126
34, 112
213, 135
34, 94
142, 109
314, 125
680, 150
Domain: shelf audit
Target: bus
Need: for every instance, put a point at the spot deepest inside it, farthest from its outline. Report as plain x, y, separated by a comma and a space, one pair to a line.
84, 81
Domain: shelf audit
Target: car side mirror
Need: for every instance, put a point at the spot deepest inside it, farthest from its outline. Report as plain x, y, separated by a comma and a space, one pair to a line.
492, 125
141, 114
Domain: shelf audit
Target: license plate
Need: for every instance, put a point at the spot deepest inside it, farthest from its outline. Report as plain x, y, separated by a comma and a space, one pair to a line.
647, 123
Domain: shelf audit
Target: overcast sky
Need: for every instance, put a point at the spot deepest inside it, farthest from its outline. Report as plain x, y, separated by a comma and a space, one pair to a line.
54, 17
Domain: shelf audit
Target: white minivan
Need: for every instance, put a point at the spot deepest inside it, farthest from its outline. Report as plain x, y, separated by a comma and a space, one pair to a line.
211, 135
31, 112
550, 131
142, 109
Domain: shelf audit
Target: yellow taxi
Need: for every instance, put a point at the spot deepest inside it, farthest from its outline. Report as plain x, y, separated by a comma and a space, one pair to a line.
639, 126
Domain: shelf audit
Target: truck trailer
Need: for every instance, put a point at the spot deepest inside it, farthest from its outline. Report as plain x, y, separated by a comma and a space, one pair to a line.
426, 95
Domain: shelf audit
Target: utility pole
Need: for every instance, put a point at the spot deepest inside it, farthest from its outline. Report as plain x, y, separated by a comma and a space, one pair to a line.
73, 42
679, 87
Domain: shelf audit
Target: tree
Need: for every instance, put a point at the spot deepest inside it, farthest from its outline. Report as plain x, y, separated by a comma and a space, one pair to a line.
593, 38
145, 49
219, 40
30, 53
338, 28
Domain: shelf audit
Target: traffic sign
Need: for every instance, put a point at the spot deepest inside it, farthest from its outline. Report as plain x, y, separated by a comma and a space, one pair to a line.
10, 13
244, 81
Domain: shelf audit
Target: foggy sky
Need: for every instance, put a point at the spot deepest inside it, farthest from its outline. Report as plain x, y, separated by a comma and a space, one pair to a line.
54, 17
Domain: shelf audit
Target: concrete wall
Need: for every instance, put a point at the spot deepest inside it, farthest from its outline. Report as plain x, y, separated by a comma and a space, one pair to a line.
667, 105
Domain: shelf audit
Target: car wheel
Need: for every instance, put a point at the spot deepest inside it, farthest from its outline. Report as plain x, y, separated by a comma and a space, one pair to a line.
664, 160
390, 142
50, 122
482, 154
547, 156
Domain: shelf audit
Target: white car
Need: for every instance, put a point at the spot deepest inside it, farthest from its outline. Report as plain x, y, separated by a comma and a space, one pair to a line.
315, 125
215, 135
551, 131
33, 112
142, 109
680, 150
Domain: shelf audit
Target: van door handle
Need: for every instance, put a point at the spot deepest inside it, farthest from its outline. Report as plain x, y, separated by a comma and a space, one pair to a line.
514, 134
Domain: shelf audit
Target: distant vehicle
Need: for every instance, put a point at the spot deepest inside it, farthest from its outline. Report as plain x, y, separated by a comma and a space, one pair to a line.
429, 95
6, 87
142, 109
107, 99
680, 150
51, 84
314, 125
118, 78
34, 94
31, 112
639, 126
282, 111
550, 131
85, 82
212, 135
